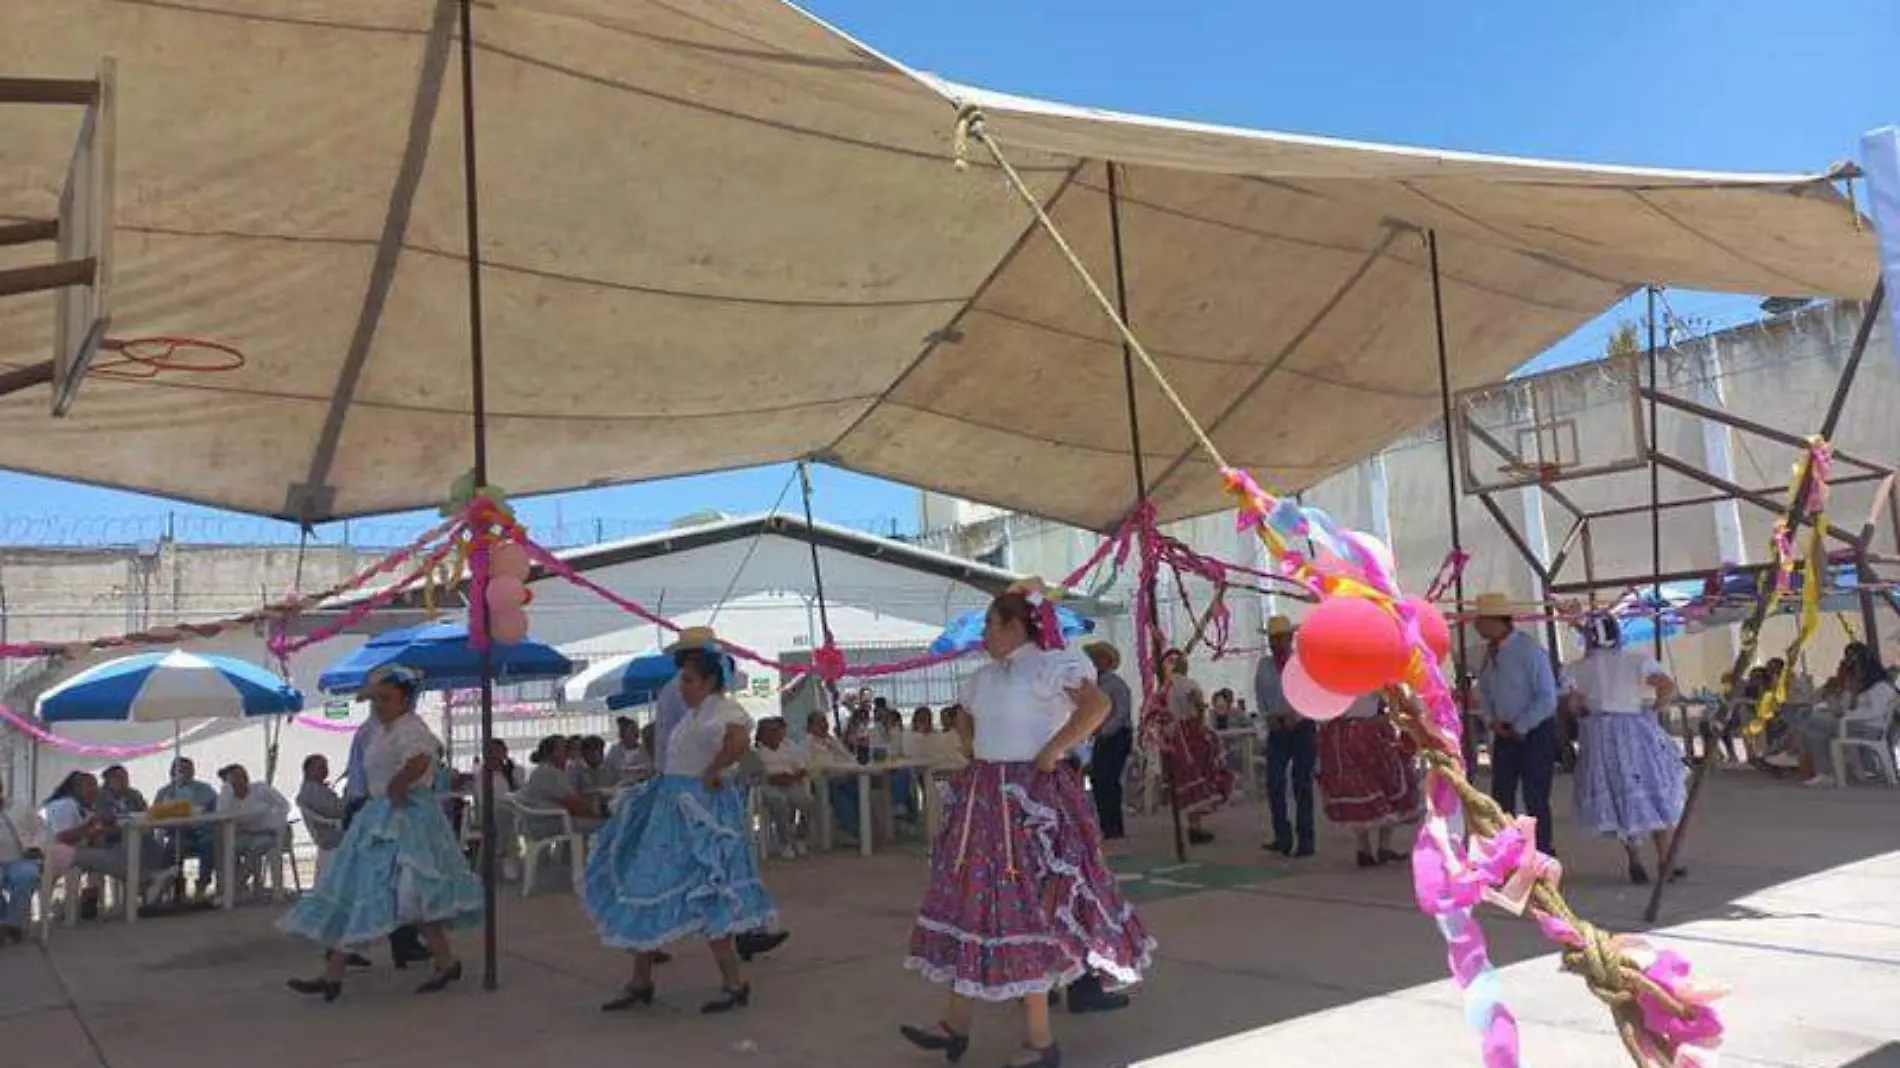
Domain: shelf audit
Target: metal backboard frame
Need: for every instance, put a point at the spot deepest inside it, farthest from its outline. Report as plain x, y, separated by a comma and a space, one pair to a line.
86, 219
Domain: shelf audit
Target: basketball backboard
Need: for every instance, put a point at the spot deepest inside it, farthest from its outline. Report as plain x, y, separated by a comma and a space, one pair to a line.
1539, 429
84, 312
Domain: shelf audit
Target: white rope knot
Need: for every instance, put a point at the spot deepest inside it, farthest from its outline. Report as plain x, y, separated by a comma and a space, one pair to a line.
969, 123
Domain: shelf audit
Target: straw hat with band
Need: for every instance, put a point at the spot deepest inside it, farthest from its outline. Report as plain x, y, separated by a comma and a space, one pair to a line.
1494, 606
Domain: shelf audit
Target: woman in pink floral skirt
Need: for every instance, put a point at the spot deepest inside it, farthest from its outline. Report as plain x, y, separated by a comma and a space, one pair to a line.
1020, 900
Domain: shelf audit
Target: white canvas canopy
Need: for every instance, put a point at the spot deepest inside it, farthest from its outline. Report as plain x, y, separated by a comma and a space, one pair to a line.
719, 233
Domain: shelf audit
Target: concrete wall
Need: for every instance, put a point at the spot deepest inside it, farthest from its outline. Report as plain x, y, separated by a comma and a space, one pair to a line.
1780, 372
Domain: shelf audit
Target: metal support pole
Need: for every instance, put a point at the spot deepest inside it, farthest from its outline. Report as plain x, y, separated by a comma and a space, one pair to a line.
1168, 777
1869, 316
818, 583
478, 403
1469, 740
1655, 476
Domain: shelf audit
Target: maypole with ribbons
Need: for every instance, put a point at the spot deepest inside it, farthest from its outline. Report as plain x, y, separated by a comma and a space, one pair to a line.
1468, 851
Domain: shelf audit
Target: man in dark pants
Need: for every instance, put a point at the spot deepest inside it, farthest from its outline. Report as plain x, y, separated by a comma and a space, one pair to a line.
1519, 694
1114, 741
1292, 747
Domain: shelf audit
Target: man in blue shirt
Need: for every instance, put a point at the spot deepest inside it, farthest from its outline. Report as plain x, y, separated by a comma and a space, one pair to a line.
1519, 694
1292, 746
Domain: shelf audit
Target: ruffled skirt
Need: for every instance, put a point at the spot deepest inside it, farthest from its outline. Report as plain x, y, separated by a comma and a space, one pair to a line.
397, 865
1630, 777
1366, 777
1020, 899
675, 861
1194, 762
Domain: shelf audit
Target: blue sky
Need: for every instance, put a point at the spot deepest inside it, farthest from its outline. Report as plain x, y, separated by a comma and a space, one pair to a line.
1713, 84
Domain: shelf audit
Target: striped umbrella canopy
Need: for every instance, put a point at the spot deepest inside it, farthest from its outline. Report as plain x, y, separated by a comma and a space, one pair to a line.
168, 687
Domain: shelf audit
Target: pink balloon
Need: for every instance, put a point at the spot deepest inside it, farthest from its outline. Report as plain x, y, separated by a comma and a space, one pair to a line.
508, 627
1309, 698
508, 560
506, 594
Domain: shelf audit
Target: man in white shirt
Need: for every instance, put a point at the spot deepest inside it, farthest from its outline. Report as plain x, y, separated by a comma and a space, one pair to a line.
262, 814
785, 792
20, 860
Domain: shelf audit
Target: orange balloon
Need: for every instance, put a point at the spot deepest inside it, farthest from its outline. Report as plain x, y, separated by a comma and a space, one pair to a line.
1350, 645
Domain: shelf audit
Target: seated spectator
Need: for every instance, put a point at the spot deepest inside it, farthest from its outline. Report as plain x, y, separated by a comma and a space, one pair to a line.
262, 818
824, 751
639, 766
622, 750
21, 855
549, 788
785, 793
322, 807
196, 843
1862, 706
589, 775
72, 820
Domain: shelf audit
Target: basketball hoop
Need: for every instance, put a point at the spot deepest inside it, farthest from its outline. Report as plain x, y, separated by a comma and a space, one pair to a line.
145, 358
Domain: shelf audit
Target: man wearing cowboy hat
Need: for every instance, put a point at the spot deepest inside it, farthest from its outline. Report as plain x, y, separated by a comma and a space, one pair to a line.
1114, 740
669, 711
1518, 690
1292, 745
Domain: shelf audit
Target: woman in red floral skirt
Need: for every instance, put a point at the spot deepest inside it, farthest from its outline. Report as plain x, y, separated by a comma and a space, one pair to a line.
1174, 723
1367, 780
1021, 901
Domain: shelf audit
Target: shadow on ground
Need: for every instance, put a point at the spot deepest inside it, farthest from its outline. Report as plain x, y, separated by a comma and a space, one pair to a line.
1794, 899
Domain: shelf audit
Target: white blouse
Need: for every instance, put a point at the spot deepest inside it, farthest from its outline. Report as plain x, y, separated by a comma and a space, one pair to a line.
1020, 702
1613, 681
396, 744
699, 736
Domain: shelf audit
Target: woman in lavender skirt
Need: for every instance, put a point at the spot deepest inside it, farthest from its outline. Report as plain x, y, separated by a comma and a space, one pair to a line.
1630, 781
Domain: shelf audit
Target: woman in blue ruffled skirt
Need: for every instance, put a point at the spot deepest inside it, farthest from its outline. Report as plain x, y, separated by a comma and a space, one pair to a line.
675, 860
399, 863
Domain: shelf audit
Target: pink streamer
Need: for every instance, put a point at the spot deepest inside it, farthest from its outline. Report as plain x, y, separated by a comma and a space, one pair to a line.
111, 752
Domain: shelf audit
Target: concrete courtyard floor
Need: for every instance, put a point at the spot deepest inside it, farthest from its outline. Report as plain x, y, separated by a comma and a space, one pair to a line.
1793, 900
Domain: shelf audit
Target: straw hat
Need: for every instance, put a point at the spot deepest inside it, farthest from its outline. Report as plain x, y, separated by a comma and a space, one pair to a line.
693, 638
1108, 655
1494, 606
1279, 626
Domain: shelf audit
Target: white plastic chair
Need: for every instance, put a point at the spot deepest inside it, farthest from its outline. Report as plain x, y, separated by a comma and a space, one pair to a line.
1881, 747
532, 845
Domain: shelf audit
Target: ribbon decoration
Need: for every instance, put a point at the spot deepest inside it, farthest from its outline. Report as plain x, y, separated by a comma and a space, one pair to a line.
1814, 468
45, 737
1468, 851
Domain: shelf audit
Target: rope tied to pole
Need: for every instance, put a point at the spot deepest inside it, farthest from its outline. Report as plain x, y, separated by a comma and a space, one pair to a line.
1463, 855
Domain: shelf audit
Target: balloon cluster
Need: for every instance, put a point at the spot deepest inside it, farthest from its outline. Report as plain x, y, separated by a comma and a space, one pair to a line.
507, 596
494, 545
1349, 646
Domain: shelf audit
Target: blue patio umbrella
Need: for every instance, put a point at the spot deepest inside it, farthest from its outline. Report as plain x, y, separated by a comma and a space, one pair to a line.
168, 687
966, 631
622, 681
441, 651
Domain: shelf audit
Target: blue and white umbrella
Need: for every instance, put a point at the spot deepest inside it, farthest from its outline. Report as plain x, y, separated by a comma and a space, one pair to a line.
630, 680
166, 688
966, 631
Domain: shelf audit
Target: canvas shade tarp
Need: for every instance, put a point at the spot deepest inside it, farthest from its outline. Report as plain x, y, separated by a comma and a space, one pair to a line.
720, 234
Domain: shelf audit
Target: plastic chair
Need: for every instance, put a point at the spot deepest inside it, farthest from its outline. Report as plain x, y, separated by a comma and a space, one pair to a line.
533, 845
1880, 747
